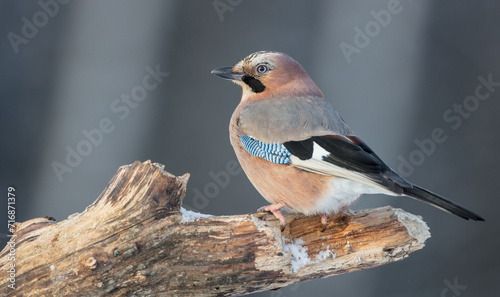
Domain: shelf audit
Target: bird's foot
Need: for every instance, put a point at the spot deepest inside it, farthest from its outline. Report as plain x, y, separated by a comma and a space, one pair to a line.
276, 210
324, 221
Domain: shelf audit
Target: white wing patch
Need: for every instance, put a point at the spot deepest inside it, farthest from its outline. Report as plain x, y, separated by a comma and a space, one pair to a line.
319, 152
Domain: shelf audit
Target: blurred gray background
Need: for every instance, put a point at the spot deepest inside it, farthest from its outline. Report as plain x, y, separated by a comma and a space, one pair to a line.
66, 67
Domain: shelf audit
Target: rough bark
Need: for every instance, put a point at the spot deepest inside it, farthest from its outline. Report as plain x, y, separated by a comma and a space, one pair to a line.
136, 240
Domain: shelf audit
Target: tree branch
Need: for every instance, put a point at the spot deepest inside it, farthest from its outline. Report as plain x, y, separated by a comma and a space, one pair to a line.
135, 240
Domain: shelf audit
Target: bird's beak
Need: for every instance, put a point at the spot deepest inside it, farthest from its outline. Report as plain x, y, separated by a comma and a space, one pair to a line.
227, 73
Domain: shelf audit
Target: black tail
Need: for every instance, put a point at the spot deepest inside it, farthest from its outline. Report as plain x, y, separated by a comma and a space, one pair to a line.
440, 202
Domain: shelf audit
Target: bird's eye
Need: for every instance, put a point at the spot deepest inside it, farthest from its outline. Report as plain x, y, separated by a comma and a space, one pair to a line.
262, 68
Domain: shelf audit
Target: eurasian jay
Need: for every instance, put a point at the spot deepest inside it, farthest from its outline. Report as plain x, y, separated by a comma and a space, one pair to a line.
296, 149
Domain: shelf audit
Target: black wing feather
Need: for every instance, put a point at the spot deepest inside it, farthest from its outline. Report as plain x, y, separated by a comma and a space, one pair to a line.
349, 155
302, 149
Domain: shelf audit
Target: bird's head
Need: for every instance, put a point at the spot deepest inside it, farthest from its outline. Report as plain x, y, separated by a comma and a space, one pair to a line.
266, 74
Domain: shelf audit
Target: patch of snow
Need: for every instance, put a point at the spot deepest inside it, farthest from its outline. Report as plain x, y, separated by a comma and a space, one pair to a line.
260, 224
323, 255
299, 254
300, 257
191, 216
415, 226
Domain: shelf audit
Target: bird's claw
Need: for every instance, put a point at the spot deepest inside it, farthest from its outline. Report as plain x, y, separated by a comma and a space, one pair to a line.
276, 211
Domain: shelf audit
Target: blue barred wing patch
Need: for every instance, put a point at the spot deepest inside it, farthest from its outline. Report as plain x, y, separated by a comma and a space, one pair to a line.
272, 152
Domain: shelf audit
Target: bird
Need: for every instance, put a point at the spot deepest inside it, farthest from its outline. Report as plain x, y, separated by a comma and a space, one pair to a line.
298, 152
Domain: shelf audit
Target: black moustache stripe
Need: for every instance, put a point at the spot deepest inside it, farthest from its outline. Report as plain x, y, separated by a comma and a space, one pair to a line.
253, 83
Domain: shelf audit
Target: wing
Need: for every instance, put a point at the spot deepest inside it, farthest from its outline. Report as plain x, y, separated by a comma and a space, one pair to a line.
346, 156
330, 155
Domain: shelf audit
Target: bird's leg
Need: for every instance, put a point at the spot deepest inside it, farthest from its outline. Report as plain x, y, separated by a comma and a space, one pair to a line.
276, 210
324, 221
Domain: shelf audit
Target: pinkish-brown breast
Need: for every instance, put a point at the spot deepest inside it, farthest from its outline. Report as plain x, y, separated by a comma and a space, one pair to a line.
296, 189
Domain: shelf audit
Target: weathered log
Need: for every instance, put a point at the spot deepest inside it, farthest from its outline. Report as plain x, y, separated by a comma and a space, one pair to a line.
136, 240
